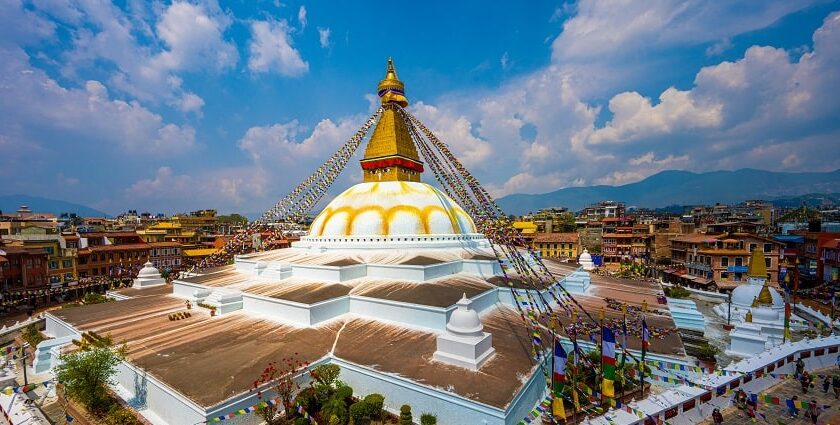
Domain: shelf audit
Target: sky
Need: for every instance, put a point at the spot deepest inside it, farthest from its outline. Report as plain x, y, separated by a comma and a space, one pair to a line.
176, 106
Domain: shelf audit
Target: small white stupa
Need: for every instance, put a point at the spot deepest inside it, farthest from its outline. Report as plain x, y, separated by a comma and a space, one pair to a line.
758, 312
148, 276
465, 344
585, 260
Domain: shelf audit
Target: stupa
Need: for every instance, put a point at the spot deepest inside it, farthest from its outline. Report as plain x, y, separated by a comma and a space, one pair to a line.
394, 283
757, 311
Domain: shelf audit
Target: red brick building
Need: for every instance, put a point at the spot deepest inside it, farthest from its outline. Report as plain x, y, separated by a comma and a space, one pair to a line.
22, 267
115, 254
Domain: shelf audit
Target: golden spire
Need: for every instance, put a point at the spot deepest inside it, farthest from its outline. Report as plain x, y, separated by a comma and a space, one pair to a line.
757, 266
391, 89
748, 317
755, 302
764, 297
391, 154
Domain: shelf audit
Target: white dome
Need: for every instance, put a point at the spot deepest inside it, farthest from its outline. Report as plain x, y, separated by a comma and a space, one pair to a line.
464, 320
149, 271
585, 257
744, 295
393, 208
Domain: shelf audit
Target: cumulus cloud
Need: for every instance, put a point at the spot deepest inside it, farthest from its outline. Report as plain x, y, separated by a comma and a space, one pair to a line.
271, 50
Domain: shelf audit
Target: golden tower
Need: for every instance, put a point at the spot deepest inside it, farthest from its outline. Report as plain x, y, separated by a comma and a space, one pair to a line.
390, 154
758, 270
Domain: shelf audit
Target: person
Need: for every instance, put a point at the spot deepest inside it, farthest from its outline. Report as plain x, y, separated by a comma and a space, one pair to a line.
813, 411
826, 383
751, 405
805, 381
800, 369
741, 399
835, 384
717, 417
791, 405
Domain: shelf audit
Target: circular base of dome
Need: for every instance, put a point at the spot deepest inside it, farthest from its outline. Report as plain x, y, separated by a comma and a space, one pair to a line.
444, 241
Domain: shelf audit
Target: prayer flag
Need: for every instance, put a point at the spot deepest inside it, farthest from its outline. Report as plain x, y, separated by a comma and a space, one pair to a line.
608, 362
559, 376
557, 408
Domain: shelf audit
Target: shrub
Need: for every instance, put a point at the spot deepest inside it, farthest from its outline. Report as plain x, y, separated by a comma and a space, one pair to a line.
335, 407
94, 298
677, 292
326, 374
118, 415
428, 419
306, 398
343, 392
358, 411
405, 415
301, 421
707, 351
374, 403
32, 335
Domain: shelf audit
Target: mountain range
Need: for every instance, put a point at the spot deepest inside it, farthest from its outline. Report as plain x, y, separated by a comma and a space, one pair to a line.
668, 188
10, 203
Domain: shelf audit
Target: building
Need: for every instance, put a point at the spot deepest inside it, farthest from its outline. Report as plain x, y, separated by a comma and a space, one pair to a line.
623, 240
705, 260
113, 254
166, 256
60, 248
22, 267
605, 209
811, 263
557, 245
831, 261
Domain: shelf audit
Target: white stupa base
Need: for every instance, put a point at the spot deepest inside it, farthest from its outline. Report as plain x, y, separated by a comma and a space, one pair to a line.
466, 352
747, 340
578, 282
148, 283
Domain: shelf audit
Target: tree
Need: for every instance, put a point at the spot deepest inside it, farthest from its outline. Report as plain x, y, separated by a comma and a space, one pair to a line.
32, 335
86, 375
281, 377
405, 415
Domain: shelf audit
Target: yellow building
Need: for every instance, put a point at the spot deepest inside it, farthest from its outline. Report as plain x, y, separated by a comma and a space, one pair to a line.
557, 244
173, 231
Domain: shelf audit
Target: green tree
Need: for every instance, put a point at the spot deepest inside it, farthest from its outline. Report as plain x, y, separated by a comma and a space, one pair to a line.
428, 419
233, 218
87, 374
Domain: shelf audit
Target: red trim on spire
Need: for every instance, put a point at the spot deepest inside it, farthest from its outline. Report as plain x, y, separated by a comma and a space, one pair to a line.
391, 162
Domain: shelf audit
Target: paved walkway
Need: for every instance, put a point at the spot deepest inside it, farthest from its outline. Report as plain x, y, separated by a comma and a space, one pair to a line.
777, 415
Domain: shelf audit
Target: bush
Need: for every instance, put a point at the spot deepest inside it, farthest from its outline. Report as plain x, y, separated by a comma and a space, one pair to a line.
405, 415
707, 351
358, 411
307, 398
119, 415
94, 298
428, 419
301, 421
374, 403
677, 292
326, 374
343, 392
32, 335
335, 407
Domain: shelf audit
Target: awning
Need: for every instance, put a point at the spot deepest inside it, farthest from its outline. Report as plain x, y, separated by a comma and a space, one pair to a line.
702, 281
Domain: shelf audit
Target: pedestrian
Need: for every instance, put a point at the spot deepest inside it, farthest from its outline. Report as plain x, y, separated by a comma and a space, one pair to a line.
791, 405
800, 368
805, 381
751, 405
826, 383
717, 417
813, 411
835, 384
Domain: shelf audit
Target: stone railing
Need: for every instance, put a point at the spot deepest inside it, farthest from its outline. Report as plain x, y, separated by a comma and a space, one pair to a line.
691, 403
7, 333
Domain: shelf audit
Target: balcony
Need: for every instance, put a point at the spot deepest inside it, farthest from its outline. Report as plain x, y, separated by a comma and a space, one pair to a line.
699, 266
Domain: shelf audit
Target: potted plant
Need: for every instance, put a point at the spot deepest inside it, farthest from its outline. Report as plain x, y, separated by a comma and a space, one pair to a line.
212, 311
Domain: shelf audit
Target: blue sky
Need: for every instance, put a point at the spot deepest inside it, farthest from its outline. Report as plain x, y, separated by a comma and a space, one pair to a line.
171, 106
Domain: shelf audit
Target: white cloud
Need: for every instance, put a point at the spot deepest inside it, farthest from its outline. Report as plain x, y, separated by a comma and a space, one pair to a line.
194, 39
302, 17
190, 102
86, 115
505, 61
271, 49
324, 37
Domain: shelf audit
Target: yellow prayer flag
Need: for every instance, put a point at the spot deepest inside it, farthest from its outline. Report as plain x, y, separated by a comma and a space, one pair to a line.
608, 388
557, 408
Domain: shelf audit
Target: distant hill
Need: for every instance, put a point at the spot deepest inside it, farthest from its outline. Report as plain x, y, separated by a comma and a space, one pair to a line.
668, 188
10, 203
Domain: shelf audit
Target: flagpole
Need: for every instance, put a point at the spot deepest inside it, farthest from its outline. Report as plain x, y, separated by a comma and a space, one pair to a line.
601, 317
642, 365
623, 349
574, 367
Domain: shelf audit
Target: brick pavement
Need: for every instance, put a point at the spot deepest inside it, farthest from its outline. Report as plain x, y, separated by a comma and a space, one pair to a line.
777, 415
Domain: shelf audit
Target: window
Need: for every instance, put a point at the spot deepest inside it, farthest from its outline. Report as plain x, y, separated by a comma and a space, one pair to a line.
49, 250
53, 265
724, 261
68, 276
739, 261
752, 247
768, 247
724, 275
55, 279
767, 261
67, 263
